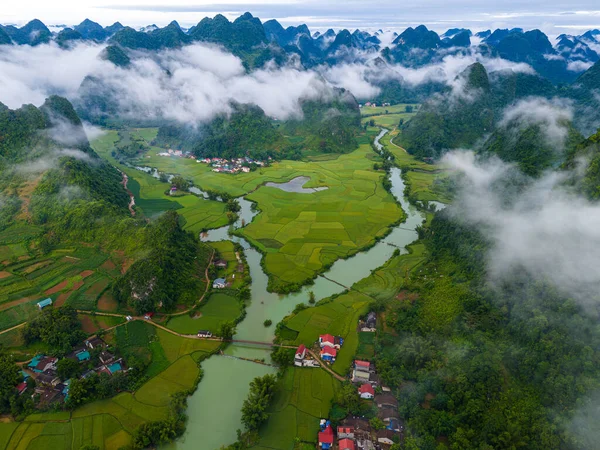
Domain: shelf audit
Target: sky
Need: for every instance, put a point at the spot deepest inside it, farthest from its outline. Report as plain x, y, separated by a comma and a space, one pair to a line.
551, 16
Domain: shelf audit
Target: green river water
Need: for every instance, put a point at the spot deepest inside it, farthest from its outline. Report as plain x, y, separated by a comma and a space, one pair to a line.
214, 409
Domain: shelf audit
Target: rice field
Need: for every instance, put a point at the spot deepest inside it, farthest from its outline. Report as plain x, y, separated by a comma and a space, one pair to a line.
215, 310
392, 109
149, 192
304, 398
75, 276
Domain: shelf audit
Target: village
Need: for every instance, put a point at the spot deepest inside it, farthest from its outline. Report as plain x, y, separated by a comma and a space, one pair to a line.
220, 165
357, 432
93, 357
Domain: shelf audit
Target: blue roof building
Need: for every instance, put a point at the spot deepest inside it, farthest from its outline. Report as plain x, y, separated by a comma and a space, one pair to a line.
25, 374
42, 304
83, 356
114, 367
35, 361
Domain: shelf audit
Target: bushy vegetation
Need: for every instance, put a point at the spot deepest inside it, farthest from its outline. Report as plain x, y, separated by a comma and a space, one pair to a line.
58, 328
169, 275
465, 357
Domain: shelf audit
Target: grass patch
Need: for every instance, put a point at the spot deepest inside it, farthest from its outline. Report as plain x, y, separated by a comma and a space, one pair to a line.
215, 310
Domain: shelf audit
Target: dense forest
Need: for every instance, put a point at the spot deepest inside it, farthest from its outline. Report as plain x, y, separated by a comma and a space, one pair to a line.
170, 274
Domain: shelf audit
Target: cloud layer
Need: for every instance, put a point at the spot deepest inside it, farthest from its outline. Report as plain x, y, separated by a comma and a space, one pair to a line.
546, 231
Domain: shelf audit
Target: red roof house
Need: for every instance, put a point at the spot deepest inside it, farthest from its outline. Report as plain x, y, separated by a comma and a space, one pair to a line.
345, 432
326, 437
362, 365
346, 444
328, 353
21, 387
326, 340
301, 352
366, 391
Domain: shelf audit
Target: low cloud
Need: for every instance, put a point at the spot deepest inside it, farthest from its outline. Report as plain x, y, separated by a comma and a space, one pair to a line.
579, 66
190, 85
546, 230
552, 116
50, 161
362, 79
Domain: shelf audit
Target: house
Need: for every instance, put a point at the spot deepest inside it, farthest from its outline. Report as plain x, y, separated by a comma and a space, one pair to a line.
21, 387
362, 366
346, 444
45, 378
300, 355
326, 438
328, 354
106, 357
44, 364
366, 391
115, 367
327, 340
345, 432
149, 315
386, 400
204, 334
219, 283
42, 304
385, 437
25, 375
95, 342
221, 263
388, 415
370, 322
83, 356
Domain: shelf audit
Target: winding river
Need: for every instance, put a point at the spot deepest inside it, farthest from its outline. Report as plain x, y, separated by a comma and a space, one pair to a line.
214, 409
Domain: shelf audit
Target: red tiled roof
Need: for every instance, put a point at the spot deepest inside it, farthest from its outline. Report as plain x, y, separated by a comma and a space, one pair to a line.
345, 430
327, 338
326, 436
362, 363
21, 387
346, 444
366, 388
301, 349
328, 351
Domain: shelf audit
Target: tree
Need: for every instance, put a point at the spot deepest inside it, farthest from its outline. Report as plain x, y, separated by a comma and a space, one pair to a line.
254, 410
311, 298
268, 323
283, 357
163, 178
180, 183
10, 376
348, 398
376, 423
409, 109
227, 330
59, 328
233, 205
68, 368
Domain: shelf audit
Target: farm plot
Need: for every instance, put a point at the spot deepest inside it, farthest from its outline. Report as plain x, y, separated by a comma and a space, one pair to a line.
304, 397
218, 308
149, 192
302, 234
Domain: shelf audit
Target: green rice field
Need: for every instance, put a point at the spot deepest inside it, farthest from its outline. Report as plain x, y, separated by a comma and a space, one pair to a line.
303, 399
149, 192
218, 308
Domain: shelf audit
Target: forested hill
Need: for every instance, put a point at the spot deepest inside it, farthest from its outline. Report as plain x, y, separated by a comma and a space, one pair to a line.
472, 115
47, 165
325, 126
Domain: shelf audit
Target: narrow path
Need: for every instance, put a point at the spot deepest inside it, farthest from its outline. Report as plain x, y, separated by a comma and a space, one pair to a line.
13, 328
325, 366
207, 279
